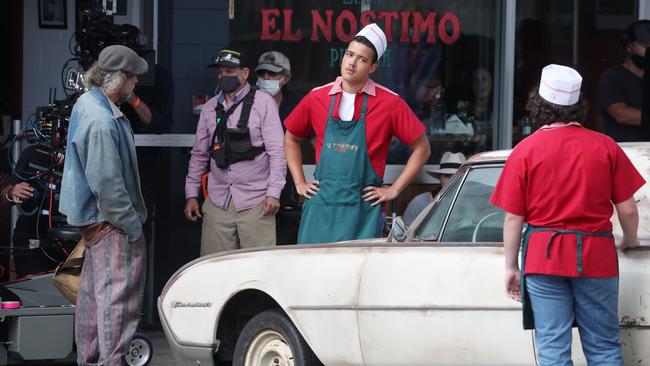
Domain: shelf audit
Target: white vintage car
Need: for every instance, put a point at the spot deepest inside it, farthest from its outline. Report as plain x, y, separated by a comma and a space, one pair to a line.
431, 295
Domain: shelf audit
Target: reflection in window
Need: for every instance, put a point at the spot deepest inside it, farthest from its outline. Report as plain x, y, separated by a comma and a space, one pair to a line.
585, 35
430, 228
439, 58
449, 86
473, 218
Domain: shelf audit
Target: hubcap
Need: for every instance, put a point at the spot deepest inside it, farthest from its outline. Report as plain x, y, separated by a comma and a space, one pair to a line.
269, 348
139, 353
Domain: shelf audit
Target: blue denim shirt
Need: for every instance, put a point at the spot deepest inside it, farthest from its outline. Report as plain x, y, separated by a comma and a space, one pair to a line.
100, 175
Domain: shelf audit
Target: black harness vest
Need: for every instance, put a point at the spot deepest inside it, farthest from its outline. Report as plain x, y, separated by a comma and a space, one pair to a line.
232, 145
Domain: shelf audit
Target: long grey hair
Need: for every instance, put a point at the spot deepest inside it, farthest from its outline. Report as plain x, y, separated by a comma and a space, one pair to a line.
109, 81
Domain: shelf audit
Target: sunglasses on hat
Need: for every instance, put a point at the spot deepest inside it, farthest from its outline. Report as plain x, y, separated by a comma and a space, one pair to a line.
228, 58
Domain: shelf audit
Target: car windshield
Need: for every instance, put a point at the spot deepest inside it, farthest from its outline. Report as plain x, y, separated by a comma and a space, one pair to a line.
473, 218
464, 213
430, 228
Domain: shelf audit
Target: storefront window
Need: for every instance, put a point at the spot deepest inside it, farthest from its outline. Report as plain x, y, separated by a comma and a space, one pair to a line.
585, 35
440, 57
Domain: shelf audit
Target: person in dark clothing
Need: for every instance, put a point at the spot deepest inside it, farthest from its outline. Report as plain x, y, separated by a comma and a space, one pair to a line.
620, 88
150, 107
5, 216
31, 223
273, 74
150, 110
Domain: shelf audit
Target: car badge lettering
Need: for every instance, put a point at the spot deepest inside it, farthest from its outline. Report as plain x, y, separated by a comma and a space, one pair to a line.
181, 304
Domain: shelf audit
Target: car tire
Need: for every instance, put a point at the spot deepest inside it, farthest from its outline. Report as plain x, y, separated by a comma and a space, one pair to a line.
270, 338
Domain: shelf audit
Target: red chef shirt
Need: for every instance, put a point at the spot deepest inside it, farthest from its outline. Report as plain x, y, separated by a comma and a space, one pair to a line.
567, 177
387, 116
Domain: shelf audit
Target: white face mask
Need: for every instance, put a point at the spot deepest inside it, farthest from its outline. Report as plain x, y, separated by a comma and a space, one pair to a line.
270, 87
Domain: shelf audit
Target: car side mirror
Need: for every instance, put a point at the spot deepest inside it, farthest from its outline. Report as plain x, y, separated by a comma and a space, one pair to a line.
397, 230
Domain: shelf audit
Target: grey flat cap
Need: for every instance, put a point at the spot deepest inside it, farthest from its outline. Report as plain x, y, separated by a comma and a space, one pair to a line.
118, 57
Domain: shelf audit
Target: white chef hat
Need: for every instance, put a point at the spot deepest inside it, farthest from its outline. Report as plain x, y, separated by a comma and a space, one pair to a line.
560, 85
376, 36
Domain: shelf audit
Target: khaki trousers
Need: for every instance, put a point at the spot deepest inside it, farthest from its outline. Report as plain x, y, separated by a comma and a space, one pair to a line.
230, 230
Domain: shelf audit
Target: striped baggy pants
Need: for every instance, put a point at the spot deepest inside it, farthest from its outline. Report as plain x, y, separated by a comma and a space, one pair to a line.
109, 299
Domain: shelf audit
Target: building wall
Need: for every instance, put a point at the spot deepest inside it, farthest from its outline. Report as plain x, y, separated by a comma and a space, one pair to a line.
44, 53
190, 32
46, 50
199, 30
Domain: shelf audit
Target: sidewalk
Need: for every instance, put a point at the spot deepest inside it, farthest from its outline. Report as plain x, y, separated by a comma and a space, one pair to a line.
162, 355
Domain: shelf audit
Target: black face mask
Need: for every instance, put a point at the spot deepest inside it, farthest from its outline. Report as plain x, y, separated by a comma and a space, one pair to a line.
639, 61
228, 83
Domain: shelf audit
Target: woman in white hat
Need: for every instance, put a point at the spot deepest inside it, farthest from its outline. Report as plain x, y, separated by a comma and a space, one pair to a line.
564, 181
354, 120
449, 164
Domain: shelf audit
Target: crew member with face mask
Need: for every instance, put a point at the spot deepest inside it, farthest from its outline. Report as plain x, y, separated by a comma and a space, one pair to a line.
354, 120
620, 89
239, 143
273, 73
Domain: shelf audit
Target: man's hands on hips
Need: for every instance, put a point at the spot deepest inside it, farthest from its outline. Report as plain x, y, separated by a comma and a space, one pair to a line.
270, 206
192, 210
307, 189
379, 194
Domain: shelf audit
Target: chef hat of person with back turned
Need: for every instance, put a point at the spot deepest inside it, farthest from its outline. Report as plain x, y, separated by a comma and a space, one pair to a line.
560, 85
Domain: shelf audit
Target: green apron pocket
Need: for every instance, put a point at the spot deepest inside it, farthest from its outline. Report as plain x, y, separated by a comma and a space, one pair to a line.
343, 191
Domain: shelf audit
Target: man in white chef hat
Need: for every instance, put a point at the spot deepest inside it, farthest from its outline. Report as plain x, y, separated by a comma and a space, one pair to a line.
354, 120
564, 181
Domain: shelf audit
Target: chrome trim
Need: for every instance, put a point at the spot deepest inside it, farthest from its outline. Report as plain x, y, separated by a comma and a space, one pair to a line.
344, 244
402, 308
164, 140
391, 172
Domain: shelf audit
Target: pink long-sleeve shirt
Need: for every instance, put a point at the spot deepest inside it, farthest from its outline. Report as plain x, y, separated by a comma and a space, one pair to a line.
246, 182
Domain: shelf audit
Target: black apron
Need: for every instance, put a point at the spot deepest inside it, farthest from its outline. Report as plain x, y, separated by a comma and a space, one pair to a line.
528, 319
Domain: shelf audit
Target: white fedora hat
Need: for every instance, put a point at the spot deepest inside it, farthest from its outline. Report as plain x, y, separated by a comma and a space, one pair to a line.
449, 164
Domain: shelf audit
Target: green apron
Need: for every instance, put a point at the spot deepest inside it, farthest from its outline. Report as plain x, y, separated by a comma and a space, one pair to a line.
338, 212
528, 319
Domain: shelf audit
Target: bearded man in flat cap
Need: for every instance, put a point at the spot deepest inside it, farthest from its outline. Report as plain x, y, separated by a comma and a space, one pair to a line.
101, 194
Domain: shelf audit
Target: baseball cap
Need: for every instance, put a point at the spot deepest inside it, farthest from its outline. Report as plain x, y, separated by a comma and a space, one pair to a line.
273, 61
121, 58
638, 31
228, 57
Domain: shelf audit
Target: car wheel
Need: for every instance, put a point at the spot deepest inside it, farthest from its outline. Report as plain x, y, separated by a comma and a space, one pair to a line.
271, 339
140, 351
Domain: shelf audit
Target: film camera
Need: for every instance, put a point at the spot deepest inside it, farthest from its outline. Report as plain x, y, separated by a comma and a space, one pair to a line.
96, 32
